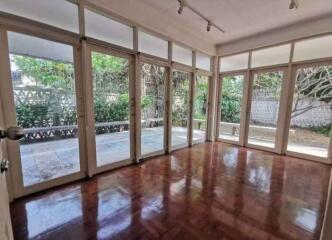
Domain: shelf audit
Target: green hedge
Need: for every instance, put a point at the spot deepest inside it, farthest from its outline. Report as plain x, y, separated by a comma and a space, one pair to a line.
41, 115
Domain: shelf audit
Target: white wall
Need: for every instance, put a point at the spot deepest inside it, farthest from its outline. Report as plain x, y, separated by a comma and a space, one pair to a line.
327, 226
279, 35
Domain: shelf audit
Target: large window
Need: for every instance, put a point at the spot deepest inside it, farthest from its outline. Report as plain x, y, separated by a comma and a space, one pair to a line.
152, 108
311, 117
265, 101
231, 106
111, 107
180, 108
44, 93
200, 108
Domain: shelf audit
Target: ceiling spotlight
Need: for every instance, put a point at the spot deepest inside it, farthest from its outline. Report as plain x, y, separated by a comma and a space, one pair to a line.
180, 10
182, 6
293, 4
208, 27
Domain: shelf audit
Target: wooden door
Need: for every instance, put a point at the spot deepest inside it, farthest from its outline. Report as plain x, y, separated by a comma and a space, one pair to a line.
5, 221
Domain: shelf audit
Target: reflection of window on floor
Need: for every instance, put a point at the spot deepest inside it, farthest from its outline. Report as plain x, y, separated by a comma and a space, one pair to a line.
152, 108
111, 204
265, 108
260, 170
311, 118
258, 183
39, 219
304, 215
231, 102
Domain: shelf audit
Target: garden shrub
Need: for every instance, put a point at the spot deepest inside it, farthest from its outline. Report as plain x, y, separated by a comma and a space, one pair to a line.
32, 115
230, 106
324, 130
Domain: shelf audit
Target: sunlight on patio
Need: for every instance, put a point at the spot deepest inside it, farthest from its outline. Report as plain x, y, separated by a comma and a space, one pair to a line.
49, 160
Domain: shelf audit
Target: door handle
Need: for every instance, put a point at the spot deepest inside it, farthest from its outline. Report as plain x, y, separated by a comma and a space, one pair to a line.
12, 133
4, 164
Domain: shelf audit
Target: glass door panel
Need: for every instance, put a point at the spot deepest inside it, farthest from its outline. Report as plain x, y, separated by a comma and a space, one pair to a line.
231, 107
200, 108
111, 107
152, 108
43, 83
265, 101
311, 117
180, 108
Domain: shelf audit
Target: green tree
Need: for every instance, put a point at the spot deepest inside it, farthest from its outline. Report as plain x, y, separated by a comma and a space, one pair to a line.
180, 92
313, 84
201, 94
110, 73
110, 76
269, 80
232, 90
57, 74
46, 72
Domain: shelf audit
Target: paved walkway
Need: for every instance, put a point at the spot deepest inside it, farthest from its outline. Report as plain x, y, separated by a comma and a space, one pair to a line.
318, 151
49, 160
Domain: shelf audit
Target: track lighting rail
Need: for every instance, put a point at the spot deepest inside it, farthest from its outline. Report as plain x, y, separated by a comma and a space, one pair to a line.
184, 4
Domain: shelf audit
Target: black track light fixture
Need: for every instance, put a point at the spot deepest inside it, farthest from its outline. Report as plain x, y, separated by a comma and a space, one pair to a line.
208, 27
293, 4
185, 4
182, 6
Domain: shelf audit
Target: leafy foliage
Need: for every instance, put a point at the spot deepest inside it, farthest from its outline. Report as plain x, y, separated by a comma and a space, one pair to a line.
324, 130
32, 115
110, 75
232, 91
108, 111
201, 95
180, 91
46, 72
268, 80
152, 91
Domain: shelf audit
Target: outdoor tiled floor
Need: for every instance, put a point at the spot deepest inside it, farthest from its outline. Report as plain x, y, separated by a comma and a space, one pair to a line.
49, 160
292, 147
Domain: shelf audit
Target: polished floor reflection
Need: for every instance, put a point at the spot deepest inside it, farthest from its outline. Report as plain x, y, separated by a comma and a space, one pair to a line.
210, 191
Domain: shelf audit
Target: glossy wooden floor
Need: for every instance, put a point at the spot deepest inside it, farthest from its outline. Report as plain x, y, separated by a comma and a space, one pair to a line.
210, 191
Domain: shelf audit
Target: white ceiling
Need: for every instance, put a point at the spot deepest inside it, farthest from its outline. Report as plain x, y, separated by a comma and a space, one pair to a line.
239, 18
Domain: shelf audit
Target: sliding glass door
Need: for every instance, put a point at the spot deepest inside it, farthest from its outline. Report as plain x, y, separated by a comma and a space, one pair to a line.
311, 115
111, 94
200, 111
230, 109
43, 88
265, 103
152, 109
180, 108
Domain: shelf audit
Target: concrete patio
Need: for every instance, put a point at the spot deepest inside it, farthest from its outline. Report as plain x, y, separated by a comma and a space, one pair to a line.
296, 147
53, 159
